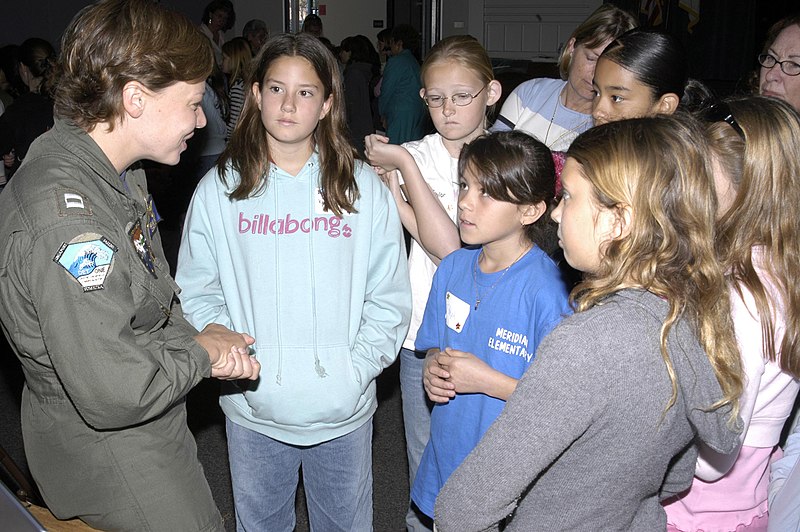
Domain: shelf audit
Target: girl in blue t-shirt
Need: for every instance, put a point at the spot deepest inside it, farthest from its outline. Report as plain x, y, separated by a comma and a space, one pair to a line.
490, 305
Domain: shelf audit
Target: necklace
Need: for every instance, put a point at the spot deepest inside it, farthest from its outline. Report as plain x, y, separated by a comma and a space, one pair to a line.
570, 131
550, 124
480, 297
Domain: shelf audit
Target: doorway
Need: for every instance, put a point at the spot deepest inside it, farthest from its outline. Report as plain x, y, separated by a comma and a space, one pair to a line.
296, 11
423, 15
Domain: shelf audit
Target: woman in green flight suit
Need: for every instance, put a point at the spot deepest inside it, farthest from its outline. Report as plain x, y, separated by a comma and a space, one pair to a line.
86, 299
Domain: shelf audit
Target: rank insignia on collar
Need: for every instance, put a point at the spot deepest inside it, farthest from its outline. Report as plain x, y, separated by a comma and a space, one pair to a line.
70, 202
87, 259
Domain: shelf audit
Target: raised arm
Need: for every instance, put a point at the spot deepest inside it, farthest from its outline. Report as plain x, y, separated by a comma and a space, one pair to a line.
436, 232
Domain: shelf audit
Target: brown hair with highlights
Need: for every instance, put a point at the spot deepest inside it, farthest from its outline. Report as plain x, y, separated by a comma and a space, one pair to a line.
777, 28
659, 169
113, 42
606, 23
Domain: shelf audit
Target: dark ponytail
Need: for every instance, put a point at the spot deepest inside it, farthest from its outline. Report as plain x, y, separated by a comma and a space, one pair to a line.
658, 60
696, 96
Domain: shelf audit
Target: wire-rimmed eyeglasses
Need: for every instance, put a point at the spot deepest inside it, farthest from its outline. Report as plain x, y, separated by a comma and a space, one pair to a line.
790, 68
461, 99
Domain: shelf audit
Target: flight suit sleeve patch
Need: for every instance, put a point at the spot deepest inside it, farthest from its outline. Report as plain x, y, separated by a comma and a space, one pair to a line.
71, 202
87, 259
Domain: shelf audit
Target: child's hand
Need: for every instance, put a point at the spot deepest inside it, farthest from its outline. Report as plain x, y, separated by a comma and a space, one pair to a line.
434, 379
468, 373
382, 154
392, 181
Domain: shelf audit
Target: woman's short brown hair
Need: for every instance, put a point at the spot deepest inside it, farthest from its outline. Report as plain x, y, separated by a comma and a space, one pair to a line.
606, 23
778, 27
113, 42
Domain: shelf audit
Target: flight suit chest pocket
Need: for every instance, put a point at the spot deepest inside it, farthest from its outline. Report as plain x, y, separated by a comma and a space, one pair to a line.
153, 298
153, 289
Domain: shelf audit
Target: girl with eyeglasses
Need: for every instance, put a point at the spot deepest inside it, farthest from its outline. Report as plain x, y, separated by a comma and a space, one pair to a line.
758, 242
779, 76
459, 90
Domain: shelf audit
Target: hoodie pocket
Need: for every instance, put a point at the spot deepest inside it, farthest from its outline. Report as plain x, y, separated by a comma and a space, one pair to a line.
295, 389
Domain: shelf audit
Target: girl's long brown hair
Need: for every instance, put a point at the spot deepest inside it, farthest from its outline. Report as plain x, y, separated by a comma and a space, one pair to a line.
248, 152
657, 168
765, 170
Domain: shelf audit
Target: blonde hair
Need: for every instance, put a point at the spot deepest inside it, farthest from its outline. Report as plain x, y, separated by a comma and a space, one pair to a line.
657, 167
238, 50
606, 23
765, 170
465, 51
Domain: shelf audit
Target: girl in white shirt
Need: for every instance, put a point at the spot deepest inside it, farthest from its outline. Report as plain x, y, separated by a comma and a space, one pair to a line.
459, 89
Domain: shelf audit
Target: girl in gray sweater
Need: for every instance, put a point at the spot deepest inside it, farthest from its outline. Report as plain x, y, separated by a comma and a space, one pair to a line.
605, 422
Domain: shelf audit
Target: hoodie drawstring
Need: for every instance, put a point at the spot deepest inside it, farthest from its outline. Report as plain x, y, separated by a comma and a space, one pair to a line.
272, 170
318, 367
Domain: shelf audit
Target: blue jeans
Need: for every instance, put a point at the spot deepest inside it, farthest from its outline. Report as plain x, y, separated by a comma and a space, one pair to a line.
417, 423
337, 476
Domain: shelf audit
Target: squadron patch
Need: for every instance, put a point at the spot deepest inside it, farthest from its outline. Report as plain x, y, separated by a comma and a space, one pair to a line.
87, 259
143, 248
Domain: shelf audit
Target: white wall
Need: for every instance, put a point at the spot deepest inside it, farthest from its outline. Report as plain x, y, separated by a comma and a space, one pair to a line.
270, 11
455, 17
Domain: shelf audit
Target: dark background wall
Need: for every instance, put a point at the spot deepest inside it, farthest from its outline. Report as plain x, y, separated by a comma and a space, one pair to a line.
48, 18
724, 43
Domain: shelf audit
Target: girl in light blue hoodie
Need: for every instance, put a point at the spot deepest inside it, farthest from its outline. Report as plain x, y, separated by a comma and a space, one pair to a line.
293, 240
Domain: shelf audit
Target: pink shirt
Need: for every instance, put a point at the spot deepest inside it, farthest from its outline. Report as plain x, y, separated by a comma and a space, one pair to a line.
731, 490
